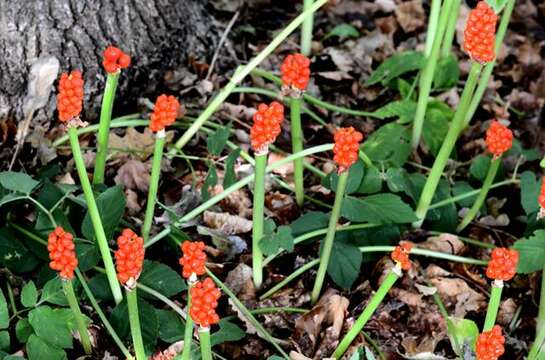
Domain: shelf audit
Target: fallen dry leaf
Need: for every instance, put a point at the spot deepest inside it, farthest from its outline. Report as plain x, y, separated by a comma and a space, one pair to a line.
446, 243
139, 144
171, 352
240, 281
410, 15
134, 175
132, 202
458, 293
227, 223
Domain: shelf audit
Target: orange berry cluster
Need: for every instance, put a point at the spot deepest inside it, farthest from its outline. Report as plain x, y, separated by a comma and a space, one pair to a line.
115, 59
164, 112
193, 259
62, 253
401, 255
347, 144
503, 264
296, 71
480, 33
499, 138
490, 344
266, 125
70, 95
541, 198
129, 257
204, 300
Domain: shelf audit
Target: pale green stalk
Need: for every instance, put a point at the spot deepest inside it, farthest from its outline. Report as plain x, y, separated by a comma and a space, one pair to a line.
154, 183
306, 30
433, 23
258, 217
206, 346
296, 147
134, 322
295, 274
188, 334
451, 30
493, 305
78, 316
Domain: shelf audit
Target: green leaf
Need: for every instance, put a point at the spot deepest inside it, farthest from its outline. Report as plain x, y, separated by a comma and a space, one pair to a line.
161, 278
497, 5
4, 340
378, 209
310, 221
14, 254
148, 316
53, 292
281, 239
532, 252
403, 109
343, 31
215, 143
372, 181
396, 179
227, 332
355, 176
23, 330
210, 181
38, 349
462, 332
444, 218
4, 314
389, 144
16, 181
344, 264
395, 66
29, 294
51, 326
479, 167
172, 326
435, 129
529, 192
462, 187
447, 73
100, 287
230, 177
11, 197
111, 206
88, 256
517, 149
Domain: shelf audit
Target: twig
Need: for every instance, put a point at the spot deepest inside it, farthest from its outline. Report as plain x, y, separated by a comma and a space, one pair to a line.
220, 44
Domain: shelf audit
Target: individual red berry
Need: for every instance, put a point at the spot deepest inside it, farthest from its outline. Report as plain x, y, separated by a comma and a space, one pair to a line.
164, 113
129, 257
115, 59
194, 258
204, 300
266, 127
503, 264
499, 138
70, 95
347, 144
62, 253
480, 33
296, 71
490, 344
401, 254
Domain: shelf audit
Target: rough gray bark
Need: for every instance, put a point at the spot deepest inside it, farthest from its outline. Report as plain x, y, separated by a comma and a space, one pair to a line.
159, 35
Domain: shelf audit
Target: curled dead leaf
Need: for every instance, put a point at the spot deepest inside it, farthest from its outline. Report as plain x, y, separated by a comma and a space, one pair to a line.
134, 175
447, 243
458, 293
227, 223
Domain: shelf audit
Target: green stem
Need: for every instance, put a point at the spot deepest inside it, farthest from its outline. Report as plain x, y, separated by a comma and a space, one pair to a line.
466, 240
104, 127
258, 217
306, 30
240, 306
540, 322
369, 310
330, 236
95, 216
448, 144
426, 78
78, 317
427, 253
451, 29
188, 334
206, 346
487, 71
492, 172
297, 146
295, 274
493, 306
366, 159
102, 317
236, 186
134, 322
154, 183
433, 21
241, 73
115, 123
163, 298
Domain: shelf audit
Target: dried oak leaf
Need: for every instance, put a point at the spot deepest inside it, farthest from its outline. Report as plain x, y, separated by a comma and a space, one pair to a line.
140, 144
458, 293
134, 175
446, 243
410, 15
227, 223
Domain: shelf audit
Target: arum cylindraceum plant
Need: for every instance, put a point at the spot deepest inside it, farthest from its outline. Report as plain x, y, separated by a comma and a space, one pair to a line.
346, 148
266, 127
479, 44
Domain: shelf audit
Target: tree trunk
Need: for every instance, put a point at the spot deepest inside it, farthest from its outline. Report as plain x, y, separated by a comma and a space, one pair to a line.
159, 35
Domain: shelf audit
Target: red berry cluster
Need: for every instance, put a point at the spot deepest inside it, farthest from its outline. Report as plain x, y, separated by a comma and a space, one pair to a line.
164, 112
499, 138
204, 300
129, 257
503, 264
70, 95
115, 59
193, 259
347, 144
490, 344
541, 198
401, 255
480, 33
296, 71
266, 126
62, 253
